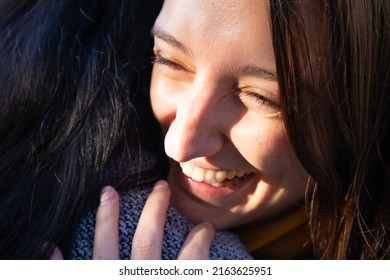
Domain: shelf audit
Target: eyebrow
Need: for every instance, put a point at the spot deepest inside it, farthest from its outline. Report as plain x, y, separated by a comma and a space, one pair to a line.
247, 70
169, 39
257, 72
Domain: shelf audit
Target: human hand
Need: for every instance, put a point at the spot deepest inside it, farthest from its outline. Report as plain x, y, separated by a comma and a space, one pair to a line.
57, 254
147, 240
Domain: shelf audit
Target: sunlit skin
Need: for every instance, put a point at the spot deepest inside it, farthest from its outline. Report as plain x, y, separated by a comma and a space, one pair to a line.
215, 93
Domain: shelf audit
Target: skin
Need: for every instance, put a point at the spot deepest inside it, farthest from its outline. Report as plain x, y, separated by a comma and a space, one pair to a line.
215, 93
148, 237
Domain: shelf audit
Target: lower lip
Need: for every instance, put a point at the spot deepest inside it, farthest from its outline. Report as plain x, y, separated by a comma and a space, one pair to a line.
206, 191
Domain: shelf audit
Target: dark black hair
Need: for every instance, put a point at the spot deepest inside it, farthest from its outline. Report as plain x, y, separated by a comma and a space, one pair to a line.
73, 99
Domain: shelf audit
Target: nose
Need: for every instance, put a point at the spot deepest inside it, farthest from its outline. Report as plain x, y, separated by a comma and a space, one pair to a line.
197, 129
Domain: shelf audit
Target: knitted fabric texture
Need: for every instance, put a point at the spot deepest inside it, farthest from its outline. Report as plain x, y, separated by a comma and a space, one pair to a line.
225, 246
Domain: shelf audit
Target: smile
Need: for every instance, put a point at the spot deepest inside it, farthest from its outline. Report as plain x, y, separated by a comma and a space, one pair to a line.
215, 178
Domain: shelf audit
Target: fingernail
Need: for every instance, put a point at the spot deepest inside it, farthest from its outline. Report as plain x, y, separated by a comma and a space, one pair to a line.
107, 195
160, 185
207, 225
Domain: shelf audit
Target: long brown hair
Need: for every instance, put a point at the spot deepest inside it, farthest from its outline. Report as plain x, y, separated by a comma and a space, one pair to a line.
333, 64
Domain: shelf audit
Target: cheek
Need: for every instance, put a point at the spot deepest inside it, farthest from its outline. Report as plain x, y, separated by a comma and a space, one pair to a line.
163, 108
263, 145
268, 150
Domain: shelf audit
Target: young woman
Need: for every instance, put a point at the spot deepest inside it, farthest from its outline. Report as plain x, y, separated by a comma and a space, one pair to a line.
272, 106
276, 119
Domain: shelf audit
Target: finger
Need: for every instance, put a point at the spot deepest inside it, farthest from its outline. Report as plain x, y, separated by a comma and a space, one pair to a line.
56, 255
198, 242
106, 243
147, 241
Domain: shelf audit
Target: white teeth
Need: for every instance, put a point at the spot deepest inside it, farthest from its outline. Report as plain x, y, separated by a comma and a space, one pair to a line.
198, 174
231, 175
220, 176
212, 177
209, 177
186, 169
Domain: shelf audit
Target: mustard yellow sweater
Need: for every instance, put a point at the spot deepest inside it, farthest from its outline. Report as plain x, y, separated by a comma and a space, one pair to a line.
285, 238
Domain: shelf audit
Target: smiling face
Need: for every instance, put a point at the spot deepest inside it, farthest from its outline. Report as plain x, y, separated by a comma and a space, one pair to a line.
215, 93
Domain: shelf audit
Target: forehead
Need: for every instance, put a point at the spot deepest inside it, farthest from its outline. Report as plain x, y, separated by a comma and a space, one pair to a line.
230, 26
201, 14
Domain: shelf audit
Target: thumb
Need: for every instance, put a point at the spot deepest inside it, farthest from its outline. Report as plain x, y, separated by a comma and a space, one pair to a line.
56, 255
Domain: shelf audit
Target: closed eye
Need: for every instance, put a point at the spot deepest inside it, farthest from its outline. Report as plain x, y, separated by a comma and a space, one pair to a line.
261, 100
158, 59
